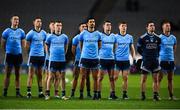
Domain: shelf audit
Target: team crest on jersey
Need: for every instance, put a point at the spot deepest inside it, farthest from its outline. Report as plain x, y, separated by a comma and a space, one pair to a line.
151, 39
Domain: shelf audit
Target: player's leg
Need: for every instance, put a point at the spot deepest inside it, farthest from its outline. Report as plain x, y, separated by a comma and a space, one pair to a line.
46, 78
8, 70
88, 84
143, 84
46, 74
95, 77
99, 82
82, 82
112, 84
125, 83
155, 86
116, 75
170, 84
118, 68
161, 73
63, 84
160, 77
39, 81
76, 71
49, 80
29, 80
17, 81
56, 84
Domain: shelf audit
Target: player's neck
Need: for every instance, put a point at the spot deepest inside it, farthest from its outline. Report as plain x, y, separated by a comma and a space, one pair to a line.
122, 33
58, 33
149, 32
166, 33
107, 32
14, 26
91, 29
52, 32
38, 29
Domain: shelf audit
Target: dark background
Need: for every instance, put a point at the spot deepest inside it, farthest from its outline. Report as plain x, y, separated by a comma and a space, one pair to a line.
73, 12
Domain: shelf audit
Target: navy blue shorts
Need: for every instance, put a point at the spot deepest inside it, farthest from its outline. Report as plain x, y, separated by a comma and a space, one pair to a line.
150, 66
167, 66
36, 61
122, 65
106, 64
13, 60
89, 63
57, 66
76, 64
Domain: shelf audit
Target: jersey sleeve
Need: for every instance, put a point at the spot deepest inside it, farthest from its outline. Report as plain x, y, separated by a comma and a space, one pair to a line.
100, 36
132, 41
175, 41
139, 46
81, 36
5, 34
66, 40
45, 35
75, 41
48, 40
23, 36
29, 35
115, 38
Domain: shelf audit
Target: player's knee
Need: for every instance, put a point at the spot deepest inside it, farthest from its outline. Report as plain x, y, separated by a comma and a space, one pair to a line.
169, 79
125, 78
143, 80
100, 78
111, 78
95, 78
76, 76
155, 80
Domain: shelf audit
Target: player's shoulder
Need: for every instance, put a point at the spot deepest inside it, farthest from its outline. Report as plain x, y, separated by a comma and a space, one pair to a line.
173, 36
43, 32
64, 35
156, 35
97, 31
7, 30
20, 29
143, 36
76, 37
129, 35
31, 31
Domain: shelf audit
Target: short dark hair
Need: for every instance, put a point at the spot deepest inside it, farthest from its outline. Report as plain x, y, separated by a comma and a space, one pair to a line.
122, 22
148, 22
37, 18
81, 23
51, 22
58, 21
165, 22
90, 19
106, 21
13, 16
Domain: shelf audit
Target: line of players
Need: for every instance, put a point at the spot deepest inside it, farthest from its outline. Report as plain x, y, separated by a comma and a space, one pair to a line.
95, 52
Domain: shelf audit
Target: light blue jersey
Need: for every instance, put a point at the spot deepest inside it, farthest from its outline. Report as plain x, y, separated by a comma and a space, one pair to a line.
36, 40
75, 42
90, 44
57, 45
166, 50
122, 51
107, 47
47, 56
13, 38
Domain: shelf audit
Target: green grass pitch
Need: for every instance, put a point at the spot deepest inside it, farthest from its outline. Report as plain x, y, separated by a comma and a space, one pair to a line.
11, 102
